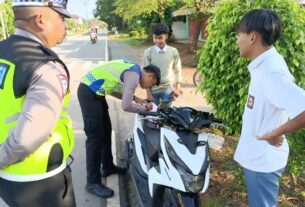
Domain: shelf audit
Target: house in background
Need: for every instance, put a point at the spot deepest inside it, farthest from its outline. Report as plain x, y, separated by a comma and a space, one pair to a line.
185, 24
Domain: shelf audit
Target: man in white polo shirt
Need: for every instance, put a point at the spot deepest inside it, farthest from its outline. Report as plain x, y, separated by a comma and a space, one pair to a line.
275, 106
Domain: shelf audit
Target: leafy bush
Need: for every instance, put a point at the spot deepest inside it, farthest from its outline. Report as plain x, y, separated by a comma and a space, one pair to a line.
134, 34
6, 8
75, 27
225, 73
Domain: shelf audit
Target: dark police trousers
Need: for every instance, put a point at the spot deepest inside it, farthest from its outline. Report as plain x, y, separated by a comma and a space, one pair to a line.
97, 126
56, 191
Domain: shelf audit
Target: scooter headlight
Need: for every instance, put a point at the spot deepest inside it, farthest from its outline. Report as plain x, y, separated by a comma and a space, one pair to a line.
192, 183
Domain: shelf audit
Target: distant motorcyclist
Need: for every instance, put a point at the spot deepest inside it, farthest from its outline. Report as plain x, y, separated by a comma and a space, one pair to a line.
93, 35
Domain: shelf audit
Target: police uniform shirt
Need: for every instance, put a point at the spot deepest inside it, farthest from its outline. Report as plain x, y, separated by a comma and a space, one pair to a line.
273, 98
41, 110
131, 81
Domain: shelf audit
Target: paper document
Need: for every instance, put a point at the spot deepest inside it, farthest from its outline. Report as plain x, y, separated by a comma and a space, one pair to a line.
155, 107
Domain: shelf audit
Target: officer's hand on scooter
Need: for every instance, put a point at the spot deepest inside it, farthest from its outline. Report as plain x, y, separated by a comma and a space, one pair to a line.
149, 98
148, 106
176, 93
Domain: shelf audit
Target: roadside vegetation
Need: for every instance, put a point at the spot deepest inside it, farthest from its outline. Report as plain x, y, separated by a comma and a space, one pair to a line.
132, 38
6, 19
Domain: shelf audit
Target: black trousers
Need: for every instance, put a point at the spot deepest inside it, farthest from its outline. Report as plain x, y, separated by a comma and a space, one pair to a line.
97, 126
54, 191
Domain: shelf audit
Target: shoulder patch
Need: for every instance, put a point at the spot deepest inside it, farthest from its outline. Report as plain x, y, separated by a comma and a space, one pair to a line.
250, 102
3, 71
64, 84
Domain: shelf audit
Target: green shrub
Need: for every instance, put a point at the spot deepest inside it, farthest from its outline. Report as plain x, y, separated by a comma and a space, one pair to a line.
6, 8
134, 34
123, 35
226, 75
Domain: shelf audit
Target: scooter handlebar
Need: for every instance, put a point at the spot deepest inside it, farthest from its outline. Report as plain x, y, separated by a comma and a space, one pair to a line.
217, 121
148, 113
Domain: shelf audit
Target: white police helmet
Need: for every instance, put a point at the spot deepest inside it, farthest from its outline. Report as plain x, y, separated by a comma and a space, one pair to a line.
58, 5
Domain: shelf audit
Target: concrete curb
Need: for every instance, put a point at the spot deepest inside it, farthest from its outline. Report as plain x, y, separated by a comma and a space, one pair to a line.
115, 181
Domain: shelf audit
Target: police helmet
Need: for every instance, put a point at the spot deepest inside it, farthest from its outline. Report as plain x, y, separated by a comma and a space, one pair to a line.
58, 5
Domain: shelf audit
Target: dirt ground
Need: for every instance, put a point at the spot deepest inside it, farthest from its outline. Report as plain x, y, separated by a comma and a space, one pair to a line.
226, 187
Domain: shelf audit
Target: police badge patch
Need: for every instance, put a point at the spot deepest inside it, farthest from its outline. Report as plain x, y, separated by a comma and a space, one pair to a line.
64, 84
3, 71
250, 102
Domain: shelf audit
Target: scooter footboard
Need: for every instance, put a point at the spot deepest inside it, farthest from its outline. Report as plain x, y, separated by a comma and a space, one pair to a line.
169, 197
189, 200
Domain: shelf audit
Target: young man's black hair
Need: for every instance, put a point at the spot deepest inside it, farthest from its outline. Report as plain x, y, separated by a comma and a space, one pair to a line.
264, 21
155, 70
160, 28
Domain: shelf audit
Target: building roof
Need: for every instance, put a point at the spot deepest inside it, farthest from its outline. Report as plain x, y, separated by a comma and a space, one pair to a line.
183, 12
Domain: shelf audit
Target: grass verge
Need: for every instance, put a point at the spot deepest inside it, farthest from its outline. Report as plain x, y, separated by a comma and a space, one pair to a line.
125, 38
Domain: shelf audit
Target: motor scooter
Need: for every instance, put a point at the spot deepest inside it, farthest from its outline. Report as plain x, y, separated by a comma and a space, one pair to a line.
168, 156
93, 37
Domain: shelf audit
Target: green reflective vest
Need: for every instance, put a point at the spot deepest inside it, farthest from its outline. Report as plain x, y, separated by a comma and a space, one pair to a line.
108, 78
15, 69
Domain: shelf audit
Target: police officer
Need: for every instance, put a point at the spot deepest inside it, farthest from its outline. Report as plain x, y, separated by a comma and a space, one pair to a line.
118, 78
36, 135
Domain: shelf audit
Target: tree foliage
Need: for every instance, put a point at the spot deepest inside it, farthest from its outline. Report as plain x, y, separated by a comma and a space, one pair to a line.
6, 8
141, 14
201, 6
105, 11
226, 77
201, 10
128, 9
76, 27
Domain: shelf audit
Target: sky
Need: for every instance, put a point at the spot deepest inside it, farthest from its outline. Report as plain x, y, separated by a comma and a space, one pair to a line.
78, 7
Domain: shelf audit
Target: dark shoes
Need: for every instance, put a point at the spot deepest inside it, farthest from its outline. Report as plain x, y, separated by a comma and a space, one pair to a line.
114, 170
100, 190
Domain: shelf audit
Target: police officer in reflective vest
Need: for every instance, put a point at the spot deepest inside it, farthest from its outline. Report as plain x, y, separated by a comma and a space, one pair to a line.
118, 78
36, 135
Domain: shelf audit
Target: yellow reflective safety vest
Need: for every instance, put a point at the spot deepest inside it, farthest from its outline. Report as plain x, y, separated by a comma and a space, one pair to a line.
19, 58
108, 78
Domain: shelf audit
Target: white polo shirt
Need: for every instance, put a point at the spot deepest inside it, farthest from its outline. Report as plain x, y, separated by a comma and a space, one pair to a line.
273, 97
